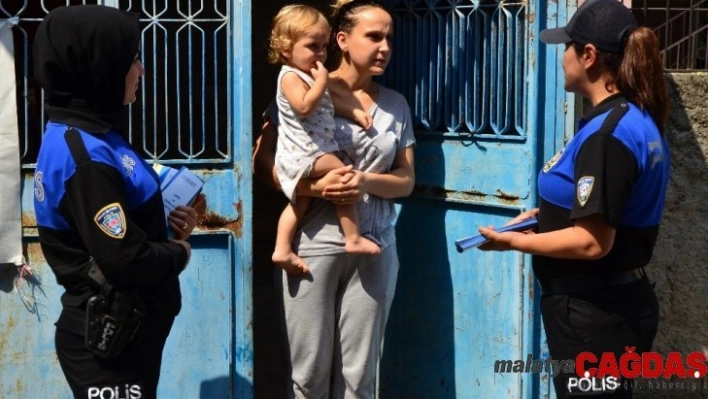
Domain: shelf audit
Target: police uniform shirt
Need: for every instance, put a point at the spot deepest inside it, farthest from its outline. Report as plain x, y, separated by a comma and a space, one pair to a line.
617, 166
107, 205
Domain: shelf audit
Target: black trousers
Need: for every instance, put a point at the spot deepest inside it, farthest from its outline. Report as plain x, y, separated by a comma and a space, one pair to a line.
132, 374
606, 320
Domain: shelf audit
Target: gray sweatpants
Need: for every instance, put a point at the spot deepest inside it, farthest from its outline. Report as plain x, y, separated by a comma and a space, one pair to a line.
335, 322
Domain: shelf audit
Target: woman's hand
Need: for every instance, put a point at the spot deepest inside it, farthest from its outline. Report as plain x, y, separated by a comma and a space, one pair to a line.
531, 213
504, 241
498, 241
349, 190
183, 219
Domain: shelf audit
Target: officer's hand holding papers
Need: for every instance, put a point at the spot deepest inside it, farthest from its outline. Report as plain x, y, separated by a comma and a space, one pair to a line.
179, 186
524, 222
477, 240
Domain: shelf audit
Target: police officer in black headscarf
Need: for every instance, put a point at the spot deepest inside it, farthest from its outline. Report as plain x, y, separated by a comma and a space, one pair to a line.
100, 210
601, 198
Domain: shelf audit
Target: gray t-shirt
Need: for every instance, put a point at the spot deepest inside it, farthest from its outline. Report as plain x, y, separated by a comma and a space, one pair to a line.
371, 151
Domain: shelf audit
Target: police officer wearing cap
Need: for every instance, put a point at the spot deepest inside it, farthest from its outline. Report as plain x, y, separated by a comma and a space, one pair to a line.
601, 197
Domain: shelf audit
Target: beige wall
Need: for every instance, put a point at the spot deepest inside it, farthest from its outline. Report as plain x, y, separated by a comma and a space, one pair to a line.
679, 262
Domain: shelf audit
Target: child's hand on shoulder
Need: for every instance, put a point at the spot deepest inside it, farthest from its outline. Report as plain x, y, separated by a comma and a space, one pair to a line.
320, 72
363, 118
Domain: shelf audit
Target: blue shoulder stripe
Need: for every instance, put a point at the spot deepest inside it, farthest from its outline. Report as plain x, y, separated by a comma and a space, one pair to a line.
56, 165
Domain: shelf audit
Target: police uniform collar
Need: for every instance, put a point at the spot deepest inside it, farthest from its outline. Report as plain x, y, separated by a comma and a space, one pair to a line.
604, 106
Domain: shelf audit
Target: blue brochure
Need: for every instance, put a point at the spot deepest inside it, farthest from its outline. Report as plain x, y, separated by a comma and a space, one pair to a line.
477, 240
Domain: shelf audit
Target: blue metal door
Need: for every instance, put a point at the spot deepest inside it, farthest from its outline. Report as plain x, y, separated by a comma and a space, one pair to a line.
193, 109
478, 84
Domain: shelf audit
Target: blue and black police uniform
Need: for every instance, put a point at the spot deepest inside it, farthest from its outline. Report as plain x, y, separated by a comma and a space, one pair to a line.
95, 198
616, 166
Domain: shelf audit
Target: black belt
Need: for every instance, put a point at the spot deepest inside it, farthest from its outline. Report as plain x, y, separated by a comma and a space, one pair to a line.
585, 282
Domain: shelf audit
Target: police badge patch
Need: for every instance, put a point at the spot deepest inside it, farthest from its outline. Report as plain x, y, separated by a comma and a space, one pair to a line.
111, 220
585, 184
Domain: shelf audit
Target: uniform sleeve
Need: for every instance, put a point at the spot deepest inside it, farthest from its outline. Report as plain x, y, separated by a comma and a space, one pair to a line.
605, 173
95, 196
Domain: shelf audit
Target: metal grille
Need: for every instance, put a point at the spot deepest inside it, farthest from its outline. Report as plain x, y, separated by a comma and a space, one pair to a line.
27, 14
682, 28
462, 65
181, 114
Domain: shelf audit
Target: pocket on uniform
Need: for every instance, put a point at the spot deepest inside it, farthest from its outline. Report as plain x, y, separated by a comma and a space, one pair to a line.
591, 323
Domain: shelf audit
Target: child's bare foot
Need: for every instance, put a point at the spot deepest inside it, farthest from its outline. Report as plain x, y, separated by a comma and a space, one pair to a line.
291, 263
361, 246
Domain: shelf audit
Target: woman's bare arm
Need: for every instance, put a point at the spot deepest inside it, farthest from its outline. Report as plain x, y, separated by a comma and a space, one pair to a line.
264, 155
264, 167
398, 182
589, 238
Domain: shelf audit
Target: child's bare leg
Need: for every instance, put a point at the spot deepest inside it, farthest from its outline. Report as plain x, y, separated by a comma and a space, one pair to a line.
324, 164
283, 254
348, 218
354, 242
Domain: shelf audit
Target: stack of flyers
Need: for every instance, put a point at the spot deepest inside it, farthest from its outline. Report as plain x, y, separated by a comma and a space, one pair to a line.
164, 174
179, 186
477, 240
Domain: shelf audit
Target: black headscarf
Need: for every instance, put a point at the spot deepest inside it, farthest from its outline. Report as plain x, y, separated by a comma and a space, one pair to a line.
81, 56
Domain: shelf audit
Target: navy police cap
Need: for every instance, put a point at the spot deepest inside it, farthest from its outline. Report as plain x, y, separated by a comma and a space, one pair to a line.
603, 23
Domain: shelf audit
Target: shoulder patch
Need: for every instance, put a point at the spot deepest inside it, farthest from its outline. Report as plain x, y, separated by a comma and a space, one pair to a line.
584, 189
111, 220
552, 161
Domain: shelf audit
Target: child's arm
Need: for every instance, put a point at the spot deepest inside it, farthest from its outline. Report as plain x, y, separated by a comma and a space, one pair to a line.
348, 106
362, 118
303, 98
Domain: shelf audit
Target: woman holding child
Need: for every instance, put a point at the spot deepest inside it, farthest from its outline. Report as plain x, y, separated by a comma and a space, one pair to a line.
336, 314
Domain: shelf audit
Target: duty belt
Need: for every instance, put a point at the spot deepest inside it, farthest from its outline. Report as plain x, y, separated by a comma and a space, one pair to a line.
586, 282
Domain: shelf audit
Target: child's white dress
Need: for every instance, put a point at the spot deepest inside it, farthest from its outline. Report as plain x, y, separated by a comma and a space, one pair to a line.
301, 139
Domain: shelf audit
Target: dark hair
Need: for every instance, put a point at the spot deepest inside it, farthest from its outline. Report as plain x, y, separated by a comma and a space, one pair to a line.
344, 14
638, 72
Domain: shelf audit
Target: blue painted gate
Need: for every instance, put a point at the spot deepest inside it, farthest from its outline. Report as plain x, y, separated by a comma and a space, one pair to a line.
478, 83
193, 109
479, 86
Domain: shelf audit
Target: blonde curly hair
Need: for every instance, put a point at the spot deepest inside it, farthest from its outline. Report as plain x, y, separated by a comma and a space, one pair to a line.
289, 25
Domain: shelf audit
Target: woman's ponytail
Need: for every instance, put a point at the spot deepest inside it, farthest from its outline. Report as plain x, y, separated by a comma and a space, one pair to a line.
640, 76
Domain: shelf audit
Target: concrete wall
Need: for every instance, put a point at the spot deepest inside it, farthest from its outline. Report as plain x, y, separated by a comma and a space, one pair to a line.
679, 262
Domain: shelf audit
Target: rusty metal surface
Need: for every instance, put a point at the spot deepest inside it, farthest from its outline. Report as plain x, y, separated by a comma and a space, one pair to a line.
210, 349
30, 306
